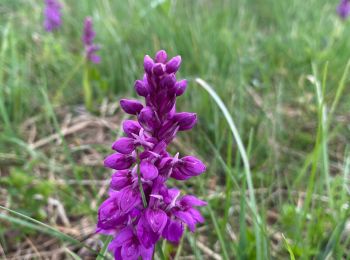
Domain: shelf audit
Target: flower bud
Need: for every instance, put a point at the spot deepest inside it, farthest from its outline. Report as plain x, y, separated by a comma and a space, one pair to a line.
131, 127
148, 119
193, 165
167, 104
124, 145
158, 69
148, 64
173, 65
161, 56
120, 179
168, 130
181, 87
185, 120
191, 201
141, 88
188, 167
119, 161
169, 81
173, 231
131, 107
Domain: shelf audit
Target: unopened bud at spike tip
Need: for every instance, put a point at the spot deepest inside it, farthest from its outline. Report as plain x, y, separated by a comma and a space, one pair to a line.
173, 65
161, 57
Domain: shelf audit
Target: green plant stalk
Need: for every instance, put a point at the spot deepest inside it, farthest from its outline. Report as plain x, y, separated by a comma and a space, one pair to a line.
87, 88
144, 201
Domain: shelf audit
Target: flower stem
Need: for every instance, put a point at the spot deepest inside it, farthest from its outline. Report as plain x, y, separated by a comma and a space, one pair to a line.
144, 201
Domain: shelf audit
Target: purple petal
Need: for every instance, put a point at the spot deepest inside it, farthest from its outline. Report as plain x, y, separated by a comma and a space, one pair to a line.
168, 130
148, 170
173, 65
109, 216
148, 119
179, 175
157, 219
146, 236
148, 64
120, 179
196, 215
186, 217
185, 120
169, 81
141, 88
181, 87
128, 199
191, 201
132, 107
124, 145
173, 231
161, 56
188, 166
146, 254
158, 69
131, 127
130, 250
124, 236
118, 161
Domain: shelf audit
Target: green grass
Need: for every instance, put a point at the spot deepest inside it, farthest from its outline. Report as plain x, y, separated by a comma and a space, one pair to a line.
276, 147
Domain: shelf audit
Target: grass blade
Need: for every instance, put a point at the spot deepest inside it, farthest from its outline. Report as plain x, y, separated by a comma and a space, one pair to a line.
244, 156
42, 227
104, 249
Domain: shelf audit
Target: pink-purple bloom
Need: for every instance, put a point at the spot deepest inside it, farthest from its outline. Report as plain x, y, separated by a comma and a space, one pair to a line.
343, 9
141, 159
52, 15
88, 41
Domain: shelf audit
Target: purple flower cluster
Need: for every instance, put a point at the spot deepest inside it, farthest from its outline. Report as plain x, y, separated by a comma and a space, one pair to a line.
343, 9
52, 14
88, 41
141, 208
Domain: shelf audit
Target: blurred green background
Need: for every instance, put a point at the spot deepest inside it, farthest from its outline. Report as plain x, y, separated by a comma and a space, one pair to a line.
280, 68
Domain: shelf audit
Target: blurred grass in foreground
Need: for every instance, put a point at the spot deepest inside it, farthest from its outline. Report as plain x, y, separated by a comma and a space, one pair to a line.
280, 68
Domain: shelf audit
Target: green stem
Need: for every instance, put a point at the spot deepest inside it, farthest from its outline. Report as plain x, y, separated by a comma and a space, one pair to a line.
160, 251
144, 201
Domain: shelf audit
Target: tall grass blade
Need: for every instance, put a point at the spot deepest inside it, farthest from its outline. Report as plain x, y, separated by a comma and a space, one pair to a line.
244, 156
290, 251
41, 227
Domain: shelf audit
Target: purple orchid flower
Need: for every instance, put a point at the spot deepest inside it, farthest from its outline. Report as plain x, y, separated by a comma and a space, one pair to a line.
141, 209
52, 14
88, 41
343, 9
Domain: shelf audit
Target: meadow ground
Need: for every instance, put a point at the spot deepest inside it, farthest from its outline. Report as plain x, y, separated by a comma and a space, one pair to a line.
281, 70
